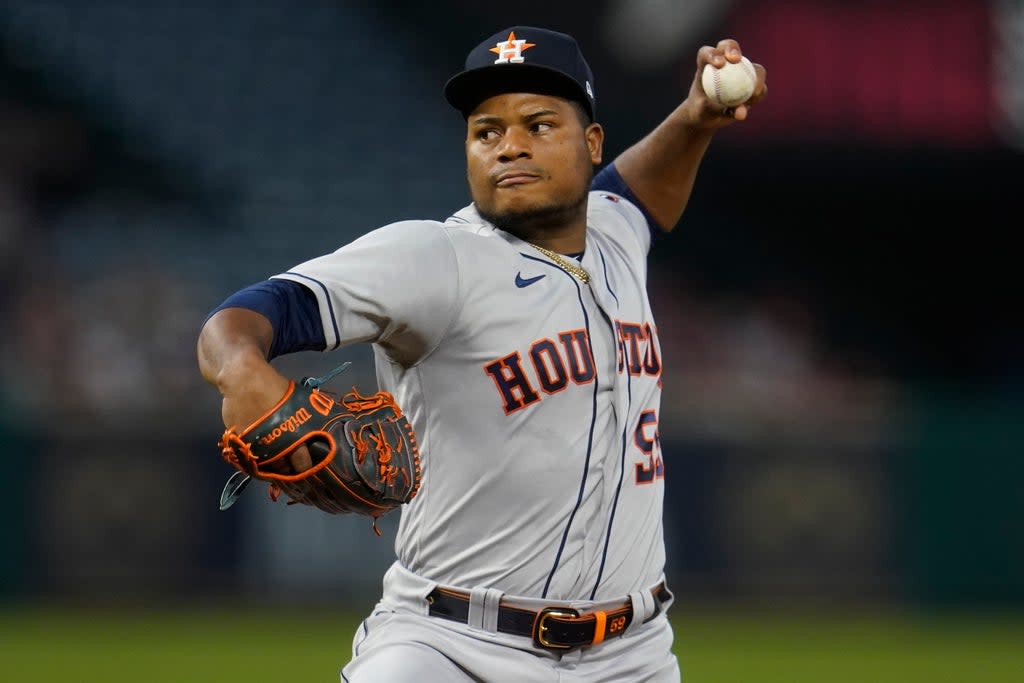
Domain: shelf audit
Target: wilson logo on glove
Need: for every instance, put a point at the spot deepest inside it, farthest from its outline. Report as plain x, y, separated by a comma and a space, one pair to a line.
365, 457
289, 425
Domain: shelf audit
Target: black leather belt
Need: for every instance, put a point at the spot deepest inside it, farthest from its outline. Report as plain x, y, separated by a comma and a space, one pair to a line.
553, 628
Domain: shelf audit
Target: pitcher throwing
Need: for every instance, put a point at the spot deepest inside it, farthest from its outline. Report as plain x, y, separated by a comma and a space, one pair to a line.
518, 339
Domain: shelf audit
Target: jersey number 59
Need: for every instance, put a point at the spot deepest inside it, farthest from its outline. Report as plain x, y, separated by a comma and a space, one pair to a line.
648, 440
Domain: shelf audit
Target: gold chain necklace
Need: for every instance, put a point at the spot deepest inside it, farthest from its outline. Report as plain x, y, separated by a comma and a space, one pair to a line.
578, 271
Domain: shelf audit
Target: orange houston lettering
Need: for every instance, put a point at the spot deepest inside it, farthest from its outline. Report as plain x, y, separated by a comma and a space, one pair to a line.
637, 345
553, 365
512, 383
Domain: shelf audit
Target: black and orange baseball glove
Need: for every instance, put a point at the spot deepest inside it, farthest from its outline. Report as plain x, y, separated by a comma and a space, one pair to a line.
364, 453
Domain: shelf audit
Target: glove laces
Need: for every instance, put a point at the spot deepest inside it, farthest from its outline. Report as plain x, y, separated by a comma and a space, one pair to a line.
314, 382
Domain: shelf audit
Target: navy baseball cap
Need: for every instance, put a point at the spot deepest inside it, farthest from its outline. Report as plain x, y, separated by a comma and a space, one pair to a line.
523, 59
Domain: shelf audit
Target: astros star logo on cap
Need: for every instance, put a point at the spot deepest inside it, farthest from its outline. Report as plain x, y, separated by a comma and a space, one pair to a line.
511, 51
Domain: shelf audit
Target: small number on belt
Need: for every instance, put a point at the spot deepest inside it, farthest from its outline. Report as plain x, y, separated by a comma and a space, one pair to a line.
617, 624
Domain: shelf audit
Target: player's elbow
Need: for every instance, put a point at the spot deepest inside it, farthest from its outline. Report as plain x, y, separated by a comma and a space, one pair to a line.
230, 342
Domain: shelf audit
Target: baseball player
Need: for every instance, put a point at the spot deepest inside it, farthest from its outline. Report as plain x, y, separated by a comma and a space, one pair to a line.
518, 337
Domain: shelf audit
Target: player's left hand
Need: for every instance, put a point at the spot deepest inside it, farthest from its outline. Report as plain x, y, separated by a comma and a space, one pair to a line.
363, 451
703, 112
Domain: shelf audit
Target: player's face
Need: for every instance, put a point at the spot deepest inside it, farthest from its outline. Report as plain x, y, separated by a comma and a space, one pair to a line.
530, 161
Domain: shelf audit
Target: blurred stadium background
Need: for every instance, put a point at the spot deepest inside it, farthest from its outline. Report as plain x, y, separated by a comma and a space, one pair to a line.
840, 310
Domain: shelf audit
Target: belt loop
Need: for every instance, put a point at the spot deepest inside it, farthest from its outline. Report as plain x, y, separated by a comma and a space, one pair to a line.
644, 606
483, 609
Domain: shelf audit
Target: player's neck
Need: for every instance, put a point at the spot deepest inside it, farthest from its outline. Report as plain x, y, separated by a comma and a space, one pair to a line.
574, 243
561, 229
564, 238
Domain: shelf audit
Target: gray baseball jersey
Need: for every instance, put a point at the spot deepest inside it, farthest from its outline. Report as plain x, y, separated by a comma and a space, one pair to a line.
534, 397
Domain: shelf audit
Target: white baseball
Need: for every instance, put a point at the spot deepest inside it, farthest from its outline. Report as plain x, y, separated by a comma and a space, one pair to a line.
730, 85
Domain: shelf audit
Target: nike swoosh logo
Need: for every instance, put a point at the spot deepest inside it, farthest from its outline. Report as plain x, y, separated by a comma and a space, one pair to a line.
526, 282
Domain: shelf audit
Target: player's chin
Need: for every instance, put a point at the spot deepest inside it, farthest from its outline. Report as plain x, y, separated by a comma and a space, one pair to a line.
521, 199
525, 221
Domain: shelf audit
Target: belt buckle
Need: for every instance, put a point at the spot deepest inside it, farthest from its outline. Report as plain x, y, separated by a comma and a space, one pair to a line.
540, 630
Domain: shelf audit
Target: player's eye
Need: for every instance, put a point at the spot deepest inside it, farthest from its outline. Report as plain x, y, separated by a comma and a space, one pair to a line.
542, 126
487, 134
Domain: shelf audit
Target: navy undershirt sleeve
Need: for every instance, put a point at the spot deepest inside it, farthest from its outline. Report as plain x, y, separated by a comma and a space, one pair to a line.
609, 180
292, 310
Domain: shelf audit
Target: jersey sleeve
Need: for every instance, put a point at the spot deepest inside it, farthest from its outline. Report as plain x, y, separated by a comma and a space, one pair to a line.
396, 286
609, 180
619, 218
292, 310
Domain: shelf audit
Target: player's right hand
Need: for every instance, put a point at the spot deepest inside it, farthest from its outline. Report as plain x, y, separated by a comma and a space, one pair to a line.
708, 114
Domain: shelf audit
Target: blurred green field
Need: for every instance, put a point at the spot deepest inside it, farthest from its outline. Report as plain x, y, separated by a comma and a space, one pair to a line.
714, 646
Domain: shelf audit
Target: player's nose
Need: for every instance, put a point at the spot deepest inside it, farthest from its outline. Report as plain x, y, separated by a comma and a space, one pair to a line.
515, 144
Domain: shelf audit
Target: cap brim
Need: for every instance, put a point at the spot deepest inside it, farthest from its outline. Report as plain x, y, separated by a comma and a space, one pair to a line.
466, 90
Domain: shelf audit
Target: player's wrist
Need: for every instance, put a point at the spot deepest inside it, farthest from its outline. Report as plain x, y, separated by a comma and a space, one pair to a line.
693, 115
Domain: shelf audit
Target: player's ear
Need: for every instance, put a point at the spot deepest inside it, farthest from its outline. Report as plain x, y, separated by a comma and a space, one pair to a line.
594, 134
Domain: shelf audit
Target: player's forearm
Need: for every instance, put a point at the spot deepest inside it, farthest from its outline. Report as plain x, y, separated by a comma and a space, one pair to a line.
661, 168
232, 346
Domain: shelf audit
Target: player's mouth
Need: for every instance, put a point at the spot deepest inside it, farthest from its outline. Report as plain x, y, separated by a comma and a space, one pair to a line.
511, 178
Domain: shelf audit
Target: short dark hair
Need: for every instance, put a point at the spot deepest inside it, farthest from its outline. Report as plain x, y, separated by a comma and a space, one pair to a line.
581, 113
